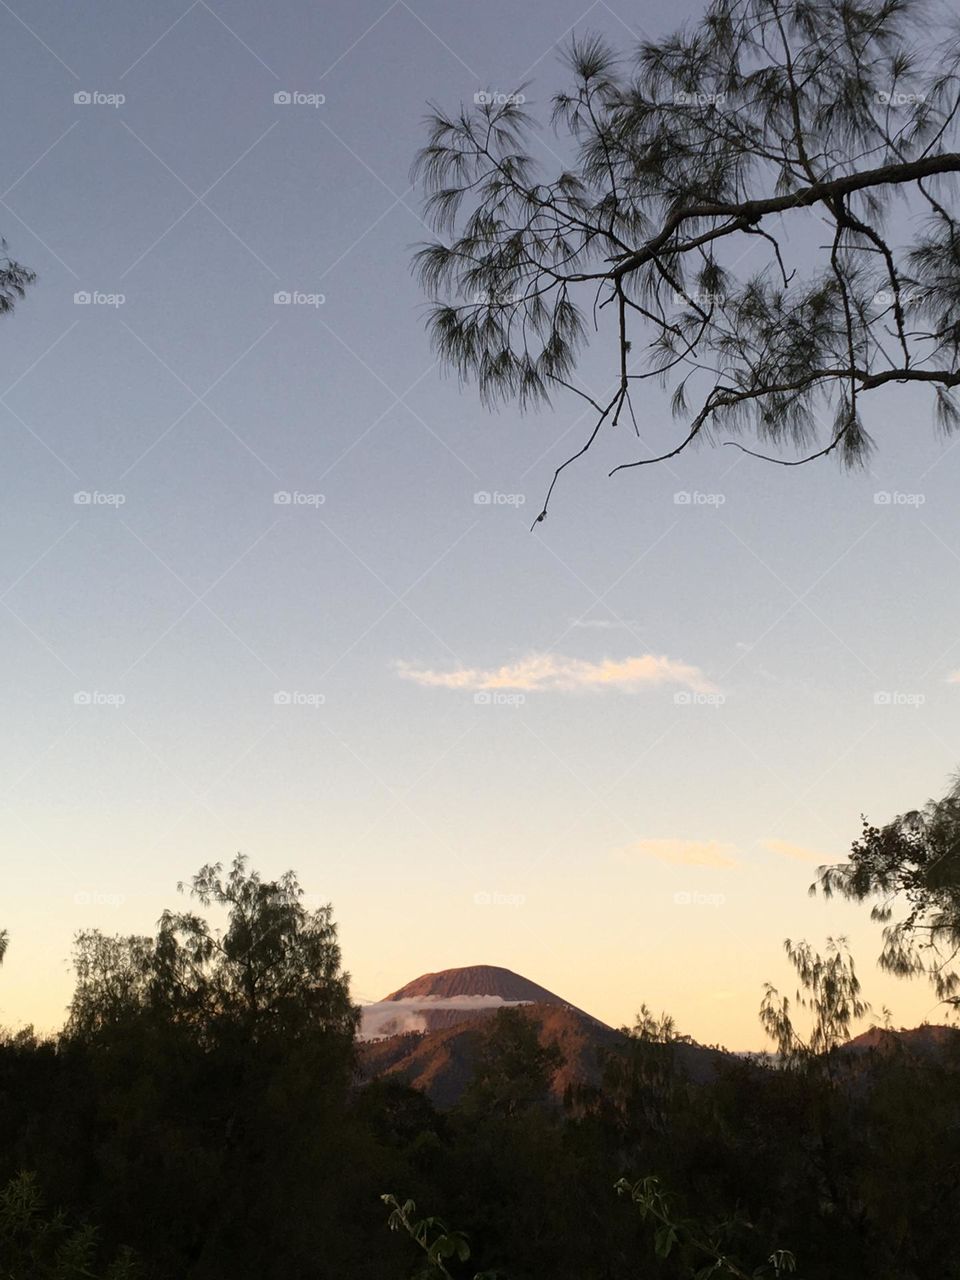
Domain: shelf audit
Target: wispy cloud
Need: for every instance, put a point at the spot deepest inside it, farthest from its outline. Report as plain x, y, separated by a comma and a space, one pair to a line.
607, 624
796, 851
393, 1017
953, 677
553, 671
682, 853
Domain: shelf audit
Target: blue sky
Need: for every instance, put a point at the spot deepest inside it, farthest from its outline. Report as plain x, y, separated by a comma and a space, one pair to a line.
612, 841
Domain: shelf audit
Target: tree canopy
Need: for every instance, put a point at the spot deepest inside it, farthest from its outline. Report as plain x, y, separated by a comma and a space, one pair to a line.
697, 166
910, 865
273, 969
14, 279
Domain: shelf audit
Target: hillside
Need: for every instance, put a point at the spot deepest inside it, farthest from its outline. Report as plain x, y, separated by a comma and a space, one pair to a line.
428, 1033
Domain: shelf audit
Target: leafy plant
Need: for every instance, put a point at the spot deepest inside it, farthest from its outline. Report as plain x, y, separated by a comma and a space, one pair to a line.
37, 1245
705, 1244
439, 1244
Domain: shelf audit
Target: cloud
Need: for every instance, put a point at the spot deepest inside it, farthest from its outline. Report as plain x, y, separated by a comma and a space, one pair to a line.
681, 853
608, 624
953, 677
796, 851
394, 1017
539, 671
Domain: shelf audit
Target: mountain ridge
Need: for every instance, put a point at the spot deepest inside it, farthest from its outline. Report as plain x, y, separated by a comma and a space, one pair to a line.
478, 981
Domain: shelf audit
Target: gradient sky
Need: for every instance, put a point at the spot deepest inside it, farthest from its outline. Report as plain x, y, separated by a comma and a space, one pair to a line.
604, 838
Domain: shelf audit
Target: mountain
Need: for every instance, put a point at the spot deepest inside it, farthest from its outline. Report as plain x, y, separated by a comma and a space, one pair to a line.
927, 1041
477, 980
429, 1032
441, 1062
444, 999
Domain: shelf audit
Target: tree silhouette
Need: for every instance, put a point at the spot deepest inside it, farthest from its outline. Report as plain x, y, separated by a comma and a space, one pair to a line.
690, 163
912, 862
274, 969
514, 1069
14, 278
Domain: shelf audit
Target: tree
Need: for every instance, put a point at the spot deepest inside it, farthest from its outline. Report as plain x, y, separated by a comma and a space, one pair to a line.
699, 1243
433, 1237
686, 162
828, 987
514, 1070
215, 1060
44, 1246
913, 860
113, 979
652, 1030
274, 969
14, 278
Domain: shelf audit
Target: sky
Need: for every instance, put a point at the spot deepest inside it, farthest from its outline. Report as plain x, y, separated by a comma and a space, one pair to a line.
608, 754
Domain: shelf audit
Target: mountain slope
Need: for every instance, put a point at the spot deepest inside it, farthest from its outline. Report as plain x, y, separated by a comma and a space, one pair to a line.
441, 1062
429, 1032
476, 980
926, 1041
445, 999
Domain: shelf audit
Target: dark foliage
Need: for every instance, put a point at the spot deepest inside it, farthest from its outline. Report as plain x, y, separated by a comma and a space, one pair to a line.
726, 216
201, 1109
